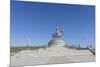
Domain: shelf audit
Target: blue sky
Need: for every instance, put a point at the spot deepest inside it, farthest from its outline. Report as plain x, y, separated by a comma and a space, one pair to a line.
37, 21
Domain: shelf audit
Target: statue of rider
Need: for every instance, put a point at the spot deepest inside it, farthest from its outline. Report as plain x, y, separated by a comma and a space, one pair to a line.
59, 32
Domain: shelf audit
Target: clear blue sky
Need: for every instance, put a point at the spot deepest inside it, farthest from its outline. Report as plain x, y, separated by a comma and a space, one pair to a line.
37, 21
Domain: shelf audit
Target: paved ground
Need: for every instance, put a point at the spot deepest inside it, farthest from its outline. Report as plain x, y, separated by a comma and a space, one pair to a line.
51, 55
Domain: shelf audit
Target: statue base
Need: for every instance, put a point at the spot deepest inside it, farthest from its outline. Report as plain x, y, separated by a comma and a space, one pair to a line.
57, 42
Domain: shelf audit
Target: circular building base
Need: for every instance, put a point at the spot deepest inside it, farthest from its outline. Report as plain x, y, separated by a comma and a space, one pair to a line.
57, 42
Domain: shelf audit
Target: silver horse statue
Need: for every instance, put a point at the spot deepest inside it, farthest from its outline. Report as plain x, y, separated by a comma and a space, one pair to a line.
59, 32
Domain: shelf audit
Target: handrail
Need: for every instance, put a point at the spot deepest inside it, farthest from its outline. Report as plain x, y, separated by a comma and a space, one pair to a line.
92, 51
